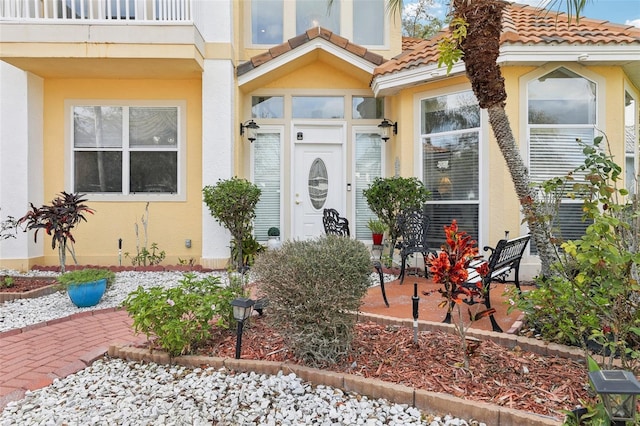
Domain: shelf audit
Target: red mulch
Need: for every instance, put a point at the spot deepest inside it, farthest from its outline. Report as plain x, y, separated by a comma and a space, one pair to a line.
22, 284
511, 378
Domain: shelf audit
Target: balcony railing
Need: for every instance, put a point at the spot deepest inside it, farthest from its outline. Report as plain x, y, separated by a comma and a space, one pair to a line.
96, 10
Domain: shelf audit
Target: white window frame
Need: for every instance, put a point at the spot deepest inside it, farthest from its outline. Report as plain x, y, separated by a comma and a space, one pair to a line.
267, 128
598, 80
355, 130
483, 148
636, 131
289, 24
125, 196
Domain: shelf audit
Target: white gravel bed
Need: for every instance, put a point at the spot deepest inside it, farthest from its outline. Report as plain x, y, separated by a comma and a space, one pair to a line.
20, 313
111, 392
117, 392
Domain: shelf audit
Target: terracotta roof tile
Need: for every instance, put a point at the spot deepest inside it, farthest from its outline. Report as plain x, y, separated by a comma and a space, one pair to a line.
525, 25
304, 38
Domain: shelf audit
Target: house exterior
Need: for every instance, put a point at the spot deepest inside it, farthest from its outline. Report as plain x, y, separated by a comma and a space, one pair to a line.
143, 103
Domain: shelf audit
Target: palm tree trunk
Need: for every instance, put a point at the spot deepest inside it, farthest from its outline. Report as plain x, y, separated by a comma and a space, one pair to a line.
540, 229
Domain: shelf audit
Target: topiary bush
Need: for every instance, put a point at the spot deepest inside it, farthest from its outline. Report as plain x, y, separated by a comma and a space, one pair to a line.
313, 288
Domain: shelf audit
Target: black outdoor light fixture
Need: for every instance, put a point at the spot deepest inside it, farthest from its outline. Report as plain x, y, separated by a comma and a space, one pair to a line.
385, 129
242, 308
618, 390
251, 127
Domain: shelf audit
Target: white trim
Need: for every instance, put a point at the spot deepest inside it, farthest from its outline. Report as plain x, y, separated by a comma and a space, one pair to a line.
311, 46
390, 84
69, 104
537, 54
356, 129
483, 156
280, 129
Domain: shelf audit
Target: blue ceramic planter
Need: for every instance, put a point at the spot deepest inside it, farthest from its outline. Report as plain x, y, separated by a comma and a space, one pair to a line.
87, 294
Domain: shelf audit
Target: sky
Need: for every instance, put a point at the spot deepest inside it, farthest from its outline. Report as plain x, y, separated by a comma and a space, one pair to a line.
617, 11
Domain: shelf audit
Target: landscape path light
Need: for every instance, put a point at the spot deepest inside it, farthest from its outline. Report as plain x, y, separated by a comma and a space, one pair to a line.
618, 390
242, 308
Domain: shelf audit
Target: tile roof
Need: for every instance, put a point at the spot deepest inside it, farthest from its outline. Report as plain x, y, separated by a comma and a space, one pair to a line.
300, 40
525, 25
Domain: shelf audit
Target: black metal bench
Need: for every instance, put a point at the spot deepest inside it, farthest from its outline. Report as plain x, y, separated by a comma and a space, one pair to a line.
504, 259
334, 224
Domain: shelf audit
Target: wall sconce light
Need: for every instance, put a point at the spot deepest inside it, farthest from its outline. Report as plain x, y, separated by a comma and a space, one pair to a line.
251, 127
618, 390
242, 308
385, 129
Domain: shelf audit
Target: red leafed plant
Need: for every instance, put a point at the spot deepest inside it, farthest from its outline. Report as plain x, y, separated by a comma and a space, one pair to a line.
58, 220
450, 268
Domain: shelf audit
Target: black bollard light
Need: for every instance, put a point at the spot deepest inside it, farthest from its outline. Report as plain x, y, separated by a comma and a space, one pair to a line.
242, 308
415, 299
618, 390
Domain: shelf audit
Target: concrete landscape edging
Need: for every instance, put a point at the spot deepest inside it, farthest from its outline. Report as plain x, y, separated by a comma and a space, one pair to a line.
426, 401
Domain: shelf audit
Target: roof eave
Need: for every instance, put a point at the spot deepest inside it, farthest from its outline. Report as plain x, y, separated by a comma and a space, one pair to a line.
301, 51
392, 83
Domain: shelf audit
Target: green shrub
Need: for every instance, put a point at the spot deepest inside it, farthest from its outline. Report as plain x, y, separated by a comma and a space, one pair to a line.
313, 287
232, 203
595, 292
388, 197
179, 318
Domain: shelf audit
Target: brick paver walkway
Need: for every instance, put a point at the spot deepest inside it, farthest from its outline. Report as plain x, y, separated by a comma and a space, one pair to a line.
32, 357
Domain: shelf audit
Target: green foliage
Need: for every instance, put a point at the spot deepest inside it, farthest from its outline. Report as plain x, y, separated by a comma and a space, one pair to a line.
595, 294
250, 248
449, 46
232, 203
273, 232
146, 257
178, 318
388, 197
314, 287
58, 220
86, 275
418, 22
376, 226
6, 282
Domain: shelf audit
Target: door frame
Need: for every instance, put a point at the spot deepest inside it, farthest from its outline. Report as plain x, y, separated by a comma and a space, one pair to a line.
343, 142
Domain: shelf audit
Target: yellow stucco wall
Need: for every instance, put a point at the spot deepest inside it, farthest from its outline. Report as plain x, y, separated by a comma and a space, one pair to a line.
170, 223
503, 208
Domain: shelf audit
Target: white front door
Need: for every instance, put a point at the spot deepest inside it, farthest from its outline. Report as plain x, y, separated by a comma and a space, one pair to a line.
318, 177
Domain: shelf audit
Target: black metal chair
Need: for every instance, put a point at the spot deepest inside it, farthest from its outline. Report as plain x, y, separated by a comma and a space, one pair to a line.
413, 225
334, 224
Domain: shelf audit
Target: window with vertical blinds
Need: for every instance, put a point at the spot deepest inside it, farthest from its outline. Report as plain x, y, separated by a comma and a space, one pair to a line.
368, 155
450, 163
561, 116
266, 175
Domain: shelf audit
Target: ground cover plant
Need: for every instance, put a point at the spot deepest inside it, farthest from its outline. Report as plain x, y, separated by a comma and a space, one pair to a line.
178, 319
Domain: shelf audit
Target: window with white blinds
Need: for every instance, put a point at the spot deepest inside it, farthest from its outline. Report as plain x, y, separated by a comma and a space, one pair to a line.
266, 175
450, 163
368, 155
561, 113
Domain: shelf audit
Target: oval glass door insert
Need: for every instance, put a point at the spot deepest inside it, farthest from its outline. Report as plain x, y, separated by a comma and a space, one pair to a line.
318, 183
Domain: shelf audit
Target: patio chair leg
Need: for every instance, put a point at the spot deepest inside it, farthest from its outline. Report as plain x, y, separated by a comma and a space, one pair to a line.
378, 267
